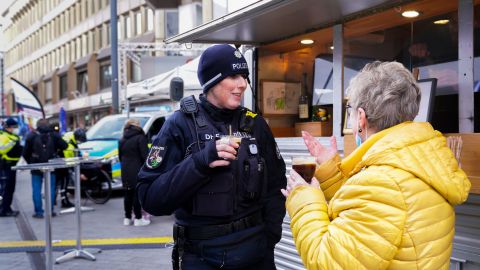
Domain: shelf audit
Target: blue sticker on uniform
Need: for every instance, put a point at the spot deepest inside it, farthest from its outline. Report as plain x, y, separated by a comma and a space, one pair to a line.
155, 157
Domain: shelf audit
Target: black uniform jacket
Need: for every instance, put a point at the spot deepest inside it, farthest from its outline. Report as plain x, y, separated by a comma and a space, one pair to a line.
171, 176
132, 151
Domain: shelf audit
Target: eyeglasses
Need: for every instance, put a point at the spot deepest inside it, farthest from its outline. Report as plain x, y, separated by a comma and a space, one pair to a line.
349, 109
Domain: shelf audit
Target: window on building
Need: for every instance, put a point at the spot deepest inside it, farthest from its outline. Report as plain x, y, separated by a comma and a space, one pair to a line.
119, 28
128, 27
107, 27
63, 86
105, 75
150, 19
82, 81
48, 91
138, 23
171, 23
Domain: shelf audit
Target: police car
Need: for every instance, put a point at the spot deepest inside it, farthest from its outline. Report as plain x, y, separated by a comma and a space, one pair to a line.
103, 137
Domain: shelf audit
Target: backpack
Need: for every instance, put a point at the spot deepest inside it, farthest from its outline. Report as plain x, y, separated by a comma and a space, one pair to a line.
43, 148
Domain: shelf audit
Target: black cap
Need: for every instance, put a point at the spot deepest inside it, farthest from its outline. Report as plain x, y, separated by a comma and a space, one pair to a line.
11, 123
218, 62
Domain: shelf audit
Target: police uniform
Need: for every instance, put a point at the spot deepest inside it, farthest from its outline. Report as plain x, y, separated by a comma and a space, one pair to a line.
226, 217
10, 151
62, 174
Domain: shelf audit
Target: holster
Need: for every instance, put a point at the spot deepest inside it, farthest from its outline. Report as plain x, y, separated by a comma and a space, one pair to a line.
178, 246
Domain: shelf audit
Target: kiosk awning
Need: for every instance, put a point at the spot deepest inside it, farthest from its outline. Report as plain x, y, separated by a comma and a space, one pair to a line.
268, 21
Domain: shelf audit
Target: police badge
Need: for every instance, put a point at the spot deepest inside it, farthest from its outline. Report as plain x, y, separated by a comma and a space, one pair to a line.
155, 157
237, 54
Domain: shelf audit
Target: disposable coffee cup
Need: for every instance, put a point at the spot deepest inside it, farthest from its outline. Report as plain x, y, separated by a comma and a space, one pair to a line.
305, 167
227, 139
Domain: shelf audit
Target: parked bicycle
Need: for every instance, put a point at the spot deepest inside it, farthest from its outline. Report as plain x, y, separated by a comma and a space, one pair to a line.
95, 181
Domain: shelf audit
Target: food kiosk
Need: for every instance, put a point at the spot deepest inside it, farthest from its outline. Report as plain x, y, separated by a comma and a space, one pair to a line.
309, 50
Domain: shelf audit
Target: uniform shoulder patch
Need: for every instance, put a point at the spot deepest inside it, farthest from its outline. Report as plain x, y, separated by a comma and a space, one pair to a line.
156, 156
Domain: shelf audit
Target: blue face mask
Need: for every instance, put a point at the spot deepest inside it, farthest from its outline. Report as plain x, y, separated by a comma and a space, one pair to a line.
358, 140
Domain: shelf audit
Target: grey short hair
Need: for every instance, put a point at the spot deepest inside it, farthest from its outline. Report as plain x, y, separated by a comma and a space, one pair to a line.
387, 92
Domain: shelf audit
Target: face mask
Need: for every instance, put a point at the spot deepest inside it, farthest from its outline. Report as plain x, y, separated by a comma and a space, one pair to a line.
16, 131
358, 139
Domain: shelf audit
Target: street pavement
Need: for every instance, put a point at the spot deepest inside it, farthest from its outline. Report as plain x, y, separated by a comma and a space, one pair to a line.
105, 222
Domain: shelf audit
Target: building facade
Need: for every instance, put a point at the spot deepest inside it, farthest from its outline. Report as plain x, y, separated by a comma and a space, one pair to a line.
60, 49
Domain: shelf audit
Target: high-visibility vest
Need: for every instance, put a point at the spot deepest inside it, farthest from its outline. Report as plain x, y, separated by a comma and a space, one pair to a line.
69, 138
7, 142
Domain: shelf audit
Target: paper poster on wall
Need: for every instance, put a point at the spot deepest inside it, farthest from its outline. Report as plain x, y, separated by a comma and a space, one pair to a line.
280, 97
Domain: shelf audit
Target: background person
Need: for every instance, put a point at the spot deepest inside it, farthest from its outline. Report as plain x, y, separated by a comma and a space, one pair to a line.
225, 195
73, 139
132, 151
10, 151
42, 145
384, 197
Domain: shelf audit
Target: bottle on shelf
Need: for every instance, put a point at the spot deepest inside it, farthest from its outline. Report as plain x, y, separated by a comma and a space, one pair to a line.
303, 108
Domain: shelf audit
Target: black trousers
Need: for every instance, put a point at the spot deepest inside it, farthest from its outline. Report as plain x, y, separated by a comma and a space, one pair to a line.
192, 261
9, 179
131, 201
62, 182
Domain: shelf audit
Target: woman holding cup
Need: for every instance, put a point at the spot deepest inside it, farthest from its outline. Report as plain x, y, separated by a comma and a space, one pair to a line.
385, 196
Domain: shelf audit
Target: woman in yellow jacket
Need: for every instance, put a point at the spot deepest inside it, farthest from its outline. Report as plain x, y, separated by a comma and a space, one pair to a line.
388, 205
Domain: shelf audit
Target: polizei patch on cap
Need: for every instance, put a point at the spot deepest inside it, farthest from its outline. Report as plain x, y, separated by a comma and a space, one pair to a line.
155, 157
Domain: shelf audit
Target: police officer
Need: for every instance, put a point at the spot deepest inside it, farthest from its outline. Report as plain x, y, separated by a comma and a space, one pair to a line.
225, 195
73, 139
10, 151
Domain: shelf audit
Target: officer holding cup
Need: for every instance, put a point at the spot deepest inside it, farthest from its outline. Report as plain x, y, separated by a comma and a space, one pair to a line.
224, 192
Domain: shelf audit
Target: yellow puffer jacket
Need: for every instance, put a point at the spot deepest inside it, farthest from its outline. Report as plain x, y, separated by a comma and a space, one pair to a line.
390, 204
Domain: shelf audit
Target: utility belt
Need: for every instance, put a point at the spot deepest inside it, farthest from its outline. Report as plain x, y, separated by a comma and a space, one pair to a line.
213, 231
236, 244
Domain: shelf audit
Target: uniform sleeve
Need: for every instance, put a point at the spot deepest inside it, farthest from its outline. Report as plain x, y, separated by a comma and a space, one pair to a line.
163, 189
363, 230
274, 209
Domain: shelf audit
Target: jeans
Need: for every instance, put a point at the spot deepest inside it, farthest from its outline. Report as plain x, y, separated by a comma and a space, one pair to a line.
37, 180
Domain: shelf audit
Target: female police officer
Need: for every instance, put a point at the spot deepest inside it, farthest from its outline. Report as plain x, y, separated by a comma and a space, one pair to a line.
225, 196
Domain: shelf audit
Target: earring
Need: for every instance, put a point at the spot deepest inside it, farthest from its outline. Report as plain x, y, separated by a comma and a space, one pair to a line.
360, 130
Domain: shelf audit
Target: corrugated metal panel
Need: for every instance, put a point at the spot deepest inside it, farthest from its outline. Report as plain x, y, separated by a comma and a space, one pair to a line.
466, 244
286, 255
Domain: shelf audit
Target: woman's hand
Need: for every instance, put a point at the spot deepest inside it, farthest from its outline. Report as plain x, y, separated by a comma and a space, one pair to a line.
316, 149
295, 180
226, 152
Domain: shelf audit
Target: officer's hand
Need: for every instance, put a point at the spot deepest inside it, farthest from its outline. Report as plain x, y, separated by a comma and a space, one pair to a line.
225, 152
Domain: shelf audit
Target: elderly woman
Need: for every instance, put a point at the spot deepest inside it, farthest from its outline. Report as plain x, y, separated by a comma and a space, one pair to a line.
388, 205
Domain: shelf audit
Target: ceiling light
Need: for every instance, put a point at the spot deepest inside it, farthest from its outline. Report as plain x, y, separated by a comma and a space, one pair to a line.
331, 48
306, 41
410, 14
445, 21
